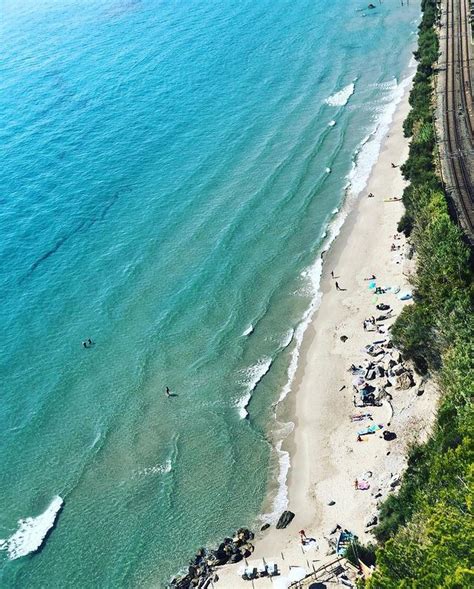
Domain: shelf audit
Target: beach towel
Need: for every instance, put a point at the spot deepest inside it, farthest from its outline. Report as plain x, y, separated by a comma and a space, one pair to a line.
363, 485
369, 430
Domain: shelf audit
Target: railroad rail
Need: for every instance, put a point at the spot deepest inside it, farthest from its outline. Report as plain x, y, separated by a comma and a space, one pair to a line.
458, 113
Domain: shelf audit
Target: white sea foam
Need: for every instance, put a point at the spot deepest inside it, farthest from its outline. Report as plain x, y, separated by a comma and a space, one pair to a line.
32, 531
280, 501
364, 161
253, 376
368, 151
248, 331
341, 98
156, 469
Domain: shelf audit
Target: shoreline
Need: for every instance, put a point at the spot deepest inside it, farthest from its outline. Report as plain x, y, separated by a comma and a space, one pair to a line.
356, 186
325, 456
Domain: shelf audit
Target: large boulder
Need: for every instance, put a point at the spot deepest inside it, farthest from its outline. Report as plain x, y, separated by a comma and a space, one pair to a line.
285, 520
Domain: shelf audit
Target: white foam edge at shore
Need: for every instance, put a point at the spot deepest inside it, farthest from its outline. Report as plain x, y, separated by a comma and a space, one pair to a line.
32, 531
365, 158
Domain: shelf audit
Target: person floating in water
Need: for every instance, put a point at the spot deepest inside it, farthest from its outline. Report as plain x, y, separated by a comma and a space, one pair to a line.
87, 343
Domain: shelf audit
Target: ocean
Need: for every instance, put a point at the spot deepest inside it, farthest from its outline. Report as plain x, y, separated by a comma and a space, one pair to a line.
170, 174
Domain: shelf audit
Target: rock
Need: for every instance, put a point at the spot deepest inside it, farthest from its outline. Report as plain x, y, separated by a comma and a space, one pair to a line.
182, 582
389, 436
395, 482
246, 550
404, 381
285, 520
237, 557
264, 527
343, 338
372, 521
330, 503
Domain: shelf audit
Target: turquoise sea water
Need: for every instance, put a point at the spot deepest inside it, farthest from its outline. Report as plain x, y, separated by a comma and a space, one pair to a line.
164, 188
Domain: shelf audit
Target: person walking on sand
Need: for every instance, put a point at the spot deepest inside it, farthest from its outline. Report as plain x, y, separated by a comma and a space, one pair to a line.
303, 537
332, 273
338, 287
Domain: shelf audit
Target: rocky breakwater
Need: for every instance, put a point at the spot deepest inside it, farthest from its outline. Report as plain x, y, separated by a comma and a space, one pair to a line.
202, 567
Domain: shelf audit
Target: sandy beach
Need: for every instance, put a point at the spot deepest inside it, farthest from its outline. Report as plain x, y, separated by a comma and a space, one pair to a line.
326, 456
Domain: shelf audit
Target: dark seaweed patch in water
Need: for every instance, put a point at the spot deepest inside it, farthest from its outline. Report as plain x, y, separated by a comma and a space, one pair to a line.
83, 226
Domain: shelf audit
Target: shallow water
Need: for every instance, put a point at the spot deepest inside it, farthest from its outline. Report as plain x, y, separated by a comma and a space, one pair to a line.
164, 189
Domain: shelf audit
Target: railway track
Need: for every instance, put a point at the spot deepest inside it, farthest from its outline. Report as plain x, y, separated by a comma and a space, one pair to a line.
459, 115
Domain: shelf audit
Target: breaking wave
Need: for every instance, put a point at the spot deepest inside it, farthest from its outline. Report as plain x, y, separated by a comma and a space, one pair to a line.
32, 531
341, 98
253, 376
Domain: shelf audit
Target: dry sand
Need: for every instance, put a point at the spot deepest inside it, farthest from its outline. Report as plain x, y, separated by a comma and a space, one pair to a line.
326, 457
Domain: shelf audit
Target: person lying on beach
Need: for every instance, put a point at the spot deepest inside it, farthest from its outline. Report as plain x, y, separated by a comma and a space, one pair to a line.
394, 166
373, 277
361, 416
384, 317
370, 195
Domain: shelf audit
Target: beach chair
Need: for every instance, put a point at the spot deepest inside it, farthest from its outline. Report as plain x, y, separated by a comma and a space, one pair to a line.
272, 569
250, 574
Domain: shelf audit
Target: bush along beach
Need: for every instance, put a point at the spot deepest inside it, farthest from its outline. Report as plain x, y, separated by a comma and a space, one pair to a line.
426, 531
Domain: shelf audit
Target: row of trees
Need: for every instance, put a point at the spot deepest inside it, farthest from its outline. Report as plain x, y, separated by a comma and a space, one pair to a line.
426, 531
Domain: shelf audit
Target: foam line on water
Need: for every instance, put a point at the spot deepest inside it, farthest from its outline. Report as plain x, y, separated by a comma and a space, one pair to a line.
32, 531
365, 157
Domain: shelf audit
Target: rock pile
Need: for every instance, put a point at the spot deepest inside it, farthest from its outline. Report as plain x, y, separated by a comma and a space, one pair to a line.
202, 566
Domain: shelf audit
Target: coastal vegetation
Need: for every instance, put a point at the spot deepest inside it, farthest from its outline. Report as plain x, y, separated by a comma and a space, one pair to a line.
426, 531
